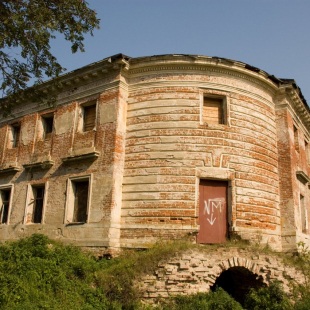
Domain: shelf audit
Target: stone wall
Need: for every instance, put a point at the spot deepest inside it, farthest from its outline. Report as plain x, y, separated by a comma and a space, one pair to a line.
196, 271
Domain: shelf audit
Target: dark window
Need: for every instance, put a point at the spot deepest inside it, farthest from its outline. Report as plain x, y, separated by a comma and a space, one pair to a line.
15, 135
89, 117
296, 138
48, 126
80, 189
213, 110
38, 197
5, 204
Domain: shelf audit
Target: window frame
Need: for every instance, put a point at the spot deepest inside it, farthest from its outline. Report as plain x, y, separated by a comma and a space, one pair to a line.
6, 188
83, 110
29, 216
70, 199
216, 97
303, 214
14, 135
307, 151
296, 137
48, 128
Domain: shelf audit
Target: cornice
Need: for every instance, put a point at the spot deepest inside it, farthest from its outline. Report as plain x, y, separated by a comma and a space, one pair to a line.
208, 68
203, 85
301, 111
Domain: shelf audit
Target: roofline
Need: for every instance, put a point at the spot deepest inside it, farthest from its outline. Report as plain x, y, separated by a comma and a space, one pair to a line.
122, 59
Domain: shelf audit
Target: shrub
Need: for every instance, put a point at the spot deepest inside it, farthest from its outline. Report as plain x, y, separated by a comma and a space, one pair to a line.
37, 273
271, 297
218, 300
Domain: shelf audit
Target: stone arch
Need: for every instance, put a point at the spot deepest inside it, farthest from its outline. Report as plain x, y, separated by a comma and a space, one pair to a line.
240, 262
197, 270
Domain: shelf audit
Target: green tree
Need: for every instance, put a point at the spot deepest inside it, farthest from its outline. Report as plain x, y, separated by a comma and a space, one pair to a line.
26, 30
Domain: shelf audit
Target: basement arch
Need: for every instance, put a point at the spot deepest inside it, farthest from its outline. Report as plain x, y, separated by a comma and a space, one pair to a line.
199, 270
237, 282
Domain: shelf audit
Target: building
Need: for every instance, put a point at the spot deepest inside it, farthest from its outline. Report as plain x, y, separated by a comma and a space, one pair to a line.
137, 149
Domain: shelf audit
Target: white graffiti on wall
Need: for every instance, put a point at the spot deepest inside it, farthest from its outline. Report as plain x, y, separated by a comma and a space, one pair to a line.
211, 205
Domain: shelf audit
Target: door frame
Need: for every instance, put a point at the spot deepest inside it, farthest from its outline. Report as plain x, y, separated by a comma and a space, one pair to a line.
218, 174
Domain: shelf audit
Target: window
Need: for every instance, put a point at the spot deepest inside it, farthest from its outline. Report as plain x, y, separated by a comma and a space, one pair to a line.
78, 200
296, 140
307, 150
36, 195
5, 197
15, 135
89, 117
303, 214
38, 199
47, 122
213, 111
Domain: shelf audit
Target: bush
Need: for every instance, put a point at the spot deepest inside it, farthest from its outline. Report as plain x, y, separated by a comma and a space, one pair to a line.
218, 300
271, 297
37, 273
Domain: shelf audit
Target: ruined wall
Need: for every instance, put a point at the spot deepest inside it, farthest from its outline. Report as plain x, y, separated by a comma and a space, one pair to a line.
67, 157
168, 150
293, 144
151, 149
197, 270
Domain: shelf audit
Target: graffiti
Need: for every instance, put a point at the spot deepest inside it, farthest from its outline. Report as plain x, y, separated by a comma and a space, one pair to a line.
211, 206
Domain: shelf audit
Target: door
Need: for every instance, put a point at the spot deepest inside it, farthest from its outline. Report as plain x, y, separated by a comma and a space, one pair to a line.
212, 211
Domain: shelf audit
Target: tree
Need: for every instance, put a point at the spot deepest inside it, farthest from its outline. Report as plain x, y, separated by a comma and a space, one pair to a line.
26, 30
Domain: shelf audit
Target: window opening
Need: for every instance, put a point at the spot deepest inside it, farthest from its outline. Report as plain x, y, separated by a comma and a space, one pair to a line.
296, 141
307, 151
89, 117
303, 214
5, 195
48, 126
213, 110
15, 135
80, 190
38, 200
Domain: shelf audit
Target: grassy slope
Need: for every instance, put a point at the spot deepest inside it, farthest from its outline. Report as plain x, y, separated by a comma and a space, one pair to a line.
38, 273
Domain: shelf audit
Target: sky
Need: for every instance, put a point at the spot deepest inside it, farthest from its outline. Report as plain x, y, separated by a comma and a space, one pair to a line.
273, 35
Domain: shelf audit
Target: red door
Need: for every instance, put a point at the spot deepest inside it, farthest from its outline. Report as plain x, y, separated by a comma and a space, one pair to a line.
212, 211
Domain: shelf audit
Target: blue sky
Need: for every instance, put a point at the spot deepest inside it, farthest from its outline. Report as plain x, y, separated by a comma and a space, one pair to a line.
273, 35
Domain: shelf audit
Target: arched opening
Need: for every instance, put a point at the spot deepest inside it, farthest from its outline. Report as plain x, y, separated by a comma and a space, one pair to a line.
237, 281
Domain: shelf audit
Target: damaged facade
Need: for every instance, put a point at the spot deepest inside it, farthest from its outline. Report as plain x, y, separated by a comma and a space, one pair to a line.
138, 149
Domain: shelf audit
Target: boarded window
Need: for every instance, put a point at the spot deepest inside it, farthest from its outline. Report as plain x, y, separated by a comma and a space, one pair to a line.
5, 196
80, 189
213, 110
15, 135
38, 200
47, 122
89, 117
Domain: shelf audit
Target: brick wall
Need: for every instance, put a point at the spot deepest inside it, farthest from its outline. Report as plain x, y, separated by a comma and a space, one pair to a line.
168, 150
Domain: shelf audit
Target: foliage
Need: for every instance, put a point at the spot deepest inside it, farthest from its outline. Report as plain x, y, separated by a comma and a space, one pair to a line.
37, 273
218, 300
270, 297
117, 279
301, 293
27, 28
